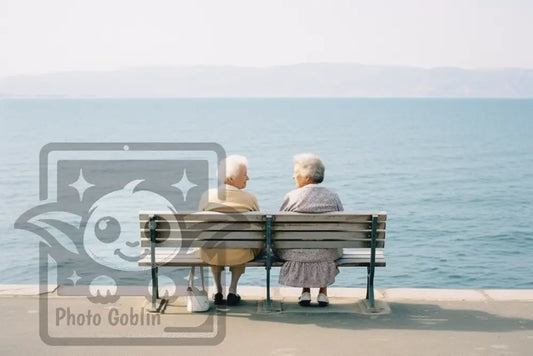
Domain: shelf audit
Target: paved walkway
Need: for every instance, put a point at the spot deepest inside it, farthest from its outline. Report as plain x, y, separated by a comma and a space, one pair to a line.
410, 322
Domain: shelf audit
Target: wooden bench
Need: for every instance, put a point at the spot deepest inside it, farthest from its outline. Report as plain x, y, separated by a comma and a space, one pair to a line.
169, 234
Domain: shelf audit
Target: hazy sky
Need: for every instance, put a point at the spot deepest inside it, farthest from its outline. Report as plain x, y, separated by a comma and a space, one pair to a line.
38, 36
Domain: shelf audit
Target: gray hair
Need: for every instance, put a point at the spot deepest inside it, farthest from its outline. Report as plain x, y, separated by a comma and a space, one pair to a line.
308, 164
233, 165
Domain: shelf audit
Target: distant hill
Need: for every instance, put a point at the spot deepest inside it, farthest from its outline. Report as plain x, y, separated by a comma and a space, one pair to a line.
299, 80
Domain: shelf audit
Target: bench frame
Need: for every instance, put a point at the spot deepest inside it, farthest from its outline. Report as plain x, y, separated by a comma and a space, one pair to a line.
269, 220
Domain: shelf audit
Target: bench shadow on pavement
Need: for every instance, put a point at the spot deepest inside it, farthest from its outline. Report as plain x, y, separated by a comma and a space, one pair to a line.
408, 316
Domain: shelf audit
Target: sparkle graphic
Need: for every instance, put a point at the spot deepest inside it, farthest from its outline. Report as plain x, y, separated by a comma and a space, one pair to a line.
81, 185
74, 277
184, 185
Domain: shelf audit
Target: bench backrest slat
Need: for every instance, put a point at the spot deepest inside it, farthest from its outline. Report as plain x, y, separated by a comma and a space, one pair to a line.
327, 226
326, 239
330, 217
205, 229
206, 226
252, 216
235, 230
186, 243
330, 230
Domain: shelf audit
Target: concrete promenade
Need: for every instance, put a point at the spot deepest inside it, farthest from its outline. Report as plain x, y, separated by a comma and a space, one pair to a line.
409, 322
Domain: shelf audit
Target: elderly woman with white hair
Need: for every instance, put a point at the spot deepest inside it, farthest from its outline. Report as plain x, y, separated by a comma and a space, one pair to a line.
310, 268
234, 199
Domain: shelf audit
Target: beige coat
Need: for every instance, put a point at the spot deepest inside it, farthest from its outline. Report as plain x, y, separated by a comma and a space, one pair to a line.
235, 200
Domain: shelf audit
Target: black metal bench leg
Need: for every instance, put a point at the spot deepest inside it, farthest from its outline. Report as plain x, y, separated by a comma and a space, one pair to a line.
155, 289
268, 301
157, 282
372, 267
370, 288
367, 281
268, 235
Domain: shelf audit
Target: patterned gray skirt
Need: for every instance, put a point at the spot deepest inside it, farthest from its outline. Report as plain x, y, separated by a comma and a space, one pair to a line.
313, 268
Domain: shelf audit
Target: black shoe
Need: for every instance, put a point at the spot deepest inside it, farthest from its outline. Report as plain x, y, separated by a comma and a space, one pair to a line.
233, 299
219, 299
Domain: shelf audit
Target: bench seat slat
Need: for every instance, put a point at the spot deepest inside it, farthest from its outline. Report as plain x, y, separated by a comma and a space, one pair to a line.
258, 243
252, 235
171, 259
244, 226
280, 217
326, 244
325, 235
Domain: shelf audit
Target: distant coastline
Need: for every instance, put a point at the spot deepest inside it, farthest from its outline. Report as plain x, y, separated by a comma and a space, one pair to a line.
318, 80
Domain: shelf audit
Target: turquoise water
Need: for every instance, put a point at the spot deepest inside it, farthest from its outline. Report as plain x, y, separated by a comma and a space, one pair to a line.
454, 175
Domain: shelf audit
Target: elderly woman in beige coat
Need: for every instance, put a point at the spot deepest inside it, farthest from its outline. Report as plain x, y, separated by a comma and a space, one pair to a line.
310, 267
235, 199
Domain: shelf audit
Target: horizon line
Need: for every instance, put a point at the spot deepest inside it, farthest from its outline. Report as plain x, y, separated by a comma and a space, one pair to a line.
260, 67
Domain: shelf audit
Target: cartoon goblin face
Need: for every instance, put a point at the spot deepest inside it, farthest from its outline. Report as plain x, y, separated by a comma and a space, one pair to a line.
111, 235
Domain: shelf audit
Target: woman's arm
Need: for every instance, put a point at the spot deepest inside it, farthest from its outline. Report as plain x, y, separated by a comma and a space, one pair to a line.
339, 204
285, 206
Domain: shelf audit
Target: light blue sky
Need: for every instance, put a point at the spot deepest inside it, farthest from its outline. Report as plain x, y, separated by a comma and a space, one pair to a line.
39, 36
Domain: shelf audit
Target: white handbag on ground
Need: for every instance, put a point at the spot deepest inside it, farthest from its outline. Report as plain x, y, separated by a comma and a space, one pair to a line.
197, 300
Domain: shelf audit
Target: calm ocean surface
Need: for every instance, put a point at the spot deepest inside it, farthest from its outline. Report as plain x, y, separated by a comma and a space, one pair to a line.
454, 175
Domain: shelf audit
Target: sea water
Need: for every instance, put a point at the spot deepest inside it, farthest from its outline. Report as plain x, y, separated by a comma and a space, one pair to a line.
454, 175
